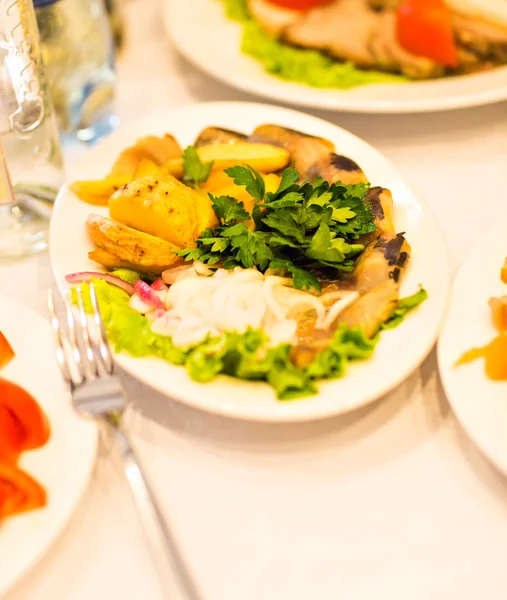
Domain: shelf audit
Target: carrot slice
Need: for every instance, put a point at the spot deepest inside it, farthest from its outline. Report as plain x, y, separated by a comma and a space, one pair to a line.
6, 352
32, 421
11, 436
496, 359
18, 491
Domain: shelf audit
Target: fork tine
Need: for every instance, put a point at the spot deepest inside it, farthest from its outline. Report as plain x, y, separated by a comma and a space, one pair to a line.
61, 354
92, 365
74, 347
105, 351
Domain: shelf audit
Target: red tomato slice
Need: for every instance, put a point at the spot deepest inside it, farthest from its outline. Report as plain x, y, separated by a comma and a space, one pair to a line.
424, 28
299, 4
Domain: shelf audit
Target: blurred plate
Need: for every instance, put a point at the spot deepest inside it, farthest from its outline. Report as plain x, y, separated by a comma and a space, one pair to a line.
204, 35
479, 403
64, 465
366, 381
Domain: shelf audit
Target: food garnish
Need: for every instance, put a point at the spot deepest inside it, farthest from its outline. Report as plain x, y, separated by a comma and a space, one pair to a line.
243, 269
23, 426
297, 227
250, 354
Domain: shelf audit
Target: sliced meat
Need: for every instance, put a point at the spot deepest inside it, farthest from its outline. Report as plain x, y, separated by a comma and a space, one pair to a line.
371, 309
486, 40
390, 56
218, 135
334, 168
305, 149
343, 29
274, 19
384, 259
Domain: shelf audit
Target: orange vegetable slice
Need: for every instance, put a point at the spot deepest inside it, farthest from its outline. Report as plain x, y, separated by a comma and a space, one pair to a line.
6, 352
30, 418
19, 492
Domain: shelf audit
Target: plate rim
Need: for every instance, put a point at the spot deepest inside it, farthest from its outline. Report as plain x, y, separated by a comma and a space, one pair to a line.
464, 422
58, 531
340, 102
302, 416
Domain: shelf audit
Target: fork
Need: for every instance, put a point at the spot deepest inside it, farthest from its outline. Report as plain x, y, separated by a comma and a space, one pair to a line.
86, 363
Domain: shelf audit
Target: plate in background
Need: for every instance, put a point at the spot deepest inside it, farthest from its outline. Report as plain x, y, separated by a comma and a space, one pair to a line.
64, 465
479, 403
205, 36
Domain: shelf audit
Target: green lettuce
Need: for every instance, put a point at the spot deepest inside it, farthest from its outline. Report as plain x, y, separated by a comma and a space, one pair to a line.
300, 65
246, 355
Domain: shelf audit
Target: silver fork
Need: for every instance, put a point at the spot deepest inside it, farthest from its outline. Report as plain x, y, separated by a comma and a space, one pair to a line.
86, 363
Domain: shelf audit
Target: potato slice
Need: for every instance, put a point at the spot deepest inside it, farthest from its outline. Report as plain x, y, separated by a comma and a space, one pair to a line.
148, 167
119, 245
262, 157
164, 207
98, 191
157, 149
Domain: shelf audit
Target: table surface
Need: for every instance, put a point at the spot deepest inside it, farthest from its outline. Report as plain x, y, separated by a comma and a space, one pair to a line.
390, 502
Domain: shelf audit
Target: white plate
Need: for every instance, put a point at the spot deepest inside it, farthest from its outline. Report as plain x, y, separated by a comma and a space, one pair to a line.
479, 404
366, 381
203, 34
64, 465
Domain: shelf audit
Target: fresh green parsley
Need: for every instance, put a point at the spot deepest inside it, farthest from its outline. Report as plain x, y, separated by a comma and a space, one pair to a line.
194, 170
298, 227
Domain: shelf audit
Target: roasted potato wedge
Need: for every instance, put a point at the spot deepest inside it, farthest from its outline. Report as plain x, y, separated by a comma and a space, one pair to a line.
119, 245
157, 149
148, 167
164, 207
265, 158
98, 192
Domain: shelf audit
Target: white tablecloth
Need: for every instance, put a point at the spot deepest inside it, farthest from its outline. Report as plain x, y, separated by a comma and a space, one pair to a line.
391, 502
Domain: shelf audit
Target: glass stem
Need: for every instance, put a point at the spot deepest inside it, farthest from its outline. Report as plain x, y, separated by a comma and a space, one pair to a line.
6, 191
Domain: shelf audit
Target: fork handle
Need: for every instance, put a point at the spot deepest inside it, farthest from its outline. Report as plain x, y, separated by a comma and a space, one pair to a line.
162, 543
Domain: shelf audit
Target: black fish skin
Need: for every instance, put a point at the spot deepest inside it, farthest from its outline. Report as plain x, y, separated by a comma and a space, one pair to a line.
372, 198
392, 248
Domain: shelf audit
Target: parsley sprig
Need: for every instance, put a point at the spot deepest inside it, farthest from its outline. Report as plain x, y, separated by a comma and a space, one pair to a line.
194, 170
298, 228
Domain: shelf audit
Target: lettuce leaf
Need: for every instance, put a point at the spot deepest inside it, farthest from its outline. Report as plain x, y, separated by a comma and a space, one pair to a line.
245, 356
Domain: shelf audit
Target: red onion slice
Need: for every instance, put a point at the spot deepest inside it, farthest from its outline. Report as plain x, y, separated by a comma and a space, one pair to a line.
158, 285
147, 294
89, 275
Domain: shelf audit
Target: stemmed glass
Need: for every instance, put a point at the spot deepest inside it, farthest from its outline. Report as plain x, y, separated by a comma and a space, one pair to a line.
30, 156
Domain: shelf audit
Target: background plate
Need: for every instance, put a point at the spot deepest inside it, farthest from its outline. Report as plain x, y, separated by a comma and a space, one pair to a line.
64, 465
479, 404
400, 351
203, 34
